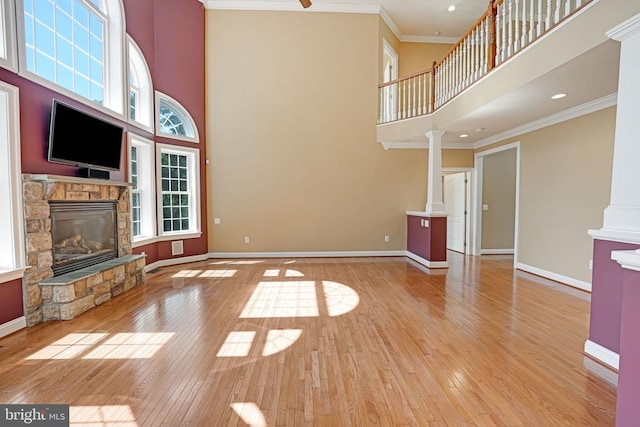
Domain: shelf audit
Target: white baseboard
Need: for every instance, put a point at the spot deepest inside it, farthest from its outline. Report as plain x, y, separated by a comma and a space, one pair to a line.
585, 286
340, 254
497, 251
426, 262
602, 354
12, 326
174, 261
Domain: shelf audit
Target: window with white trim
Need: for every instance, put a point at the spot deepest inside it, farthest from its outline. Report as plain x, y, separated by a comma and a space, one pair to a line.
174, 121
179, 190
140, 89
76, 45
11, 218
7, 35
141, 176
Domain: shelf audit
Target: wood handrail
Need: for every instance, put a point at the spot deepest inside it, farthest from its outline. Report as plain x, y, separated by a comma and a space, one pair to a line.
463, 38
410, 76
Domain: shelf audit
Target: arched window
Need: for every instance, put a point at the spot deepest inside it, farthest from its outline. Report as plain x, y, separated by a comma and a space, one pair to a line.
174, 120
140, 89
78, 45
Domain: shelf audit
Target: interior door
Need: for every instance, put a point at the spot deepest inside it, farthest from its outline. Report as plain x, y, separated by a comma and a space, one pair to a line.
455, 202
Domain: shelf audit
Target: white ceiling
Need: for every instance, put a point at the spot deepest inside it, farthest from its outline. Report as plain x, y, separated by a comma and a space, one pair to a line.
411, 20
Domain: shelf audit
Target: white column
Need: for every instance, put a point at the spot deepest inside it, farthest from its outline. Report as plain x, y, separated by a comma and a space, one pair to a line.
434, 185
622, 216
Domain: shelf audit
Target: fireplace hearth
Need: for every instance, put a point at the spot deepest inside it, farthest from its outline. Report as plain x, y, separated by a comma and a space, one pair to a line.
83, 234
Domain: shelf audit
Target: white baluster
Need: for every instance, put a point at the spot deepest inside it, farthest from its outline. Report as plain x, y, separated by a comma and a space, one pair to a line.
532, 26
503, 49
525, 23
516, 19
482, 64
547, 21
539, 28
415, 95
556, 14
567, 7
578, 3
510, 39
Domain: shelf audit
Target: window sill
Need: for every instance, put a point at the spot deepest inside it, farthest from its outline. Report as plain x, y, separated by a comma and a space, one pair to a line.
11, 274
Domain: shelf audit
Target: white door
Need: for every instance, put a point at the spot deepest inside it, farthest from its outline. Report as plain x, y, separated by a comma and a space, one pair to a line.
455, 202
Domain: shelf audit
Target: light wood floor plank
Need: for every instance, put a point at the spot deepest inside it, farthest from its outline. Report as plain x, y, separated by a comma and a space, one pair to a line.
475, 345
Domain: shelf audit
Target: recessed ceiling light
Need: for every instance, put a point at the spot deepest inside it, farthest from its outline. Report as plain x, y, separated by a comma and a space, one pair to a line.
559, 95
451, 8
464, 135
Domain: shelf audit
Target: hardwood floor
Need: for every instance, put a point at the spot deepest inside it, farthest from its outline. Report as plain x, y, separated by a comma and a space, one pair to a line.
293, 342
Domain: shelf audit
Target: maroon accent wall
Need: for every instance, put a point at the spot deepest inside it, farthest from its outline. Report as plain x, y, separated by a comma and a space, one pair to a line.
430, 242
171, 36
11, 306
628, 400
606, 294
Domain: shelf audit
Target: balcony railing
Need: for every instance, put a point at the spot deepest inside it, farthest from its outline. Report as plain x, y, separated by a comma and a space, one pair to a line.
502, 31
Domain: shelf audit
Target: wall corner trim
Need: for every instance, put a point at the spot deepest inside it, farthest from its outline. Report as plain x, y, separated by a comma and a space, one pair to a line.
13, 326
565, 280
602, 354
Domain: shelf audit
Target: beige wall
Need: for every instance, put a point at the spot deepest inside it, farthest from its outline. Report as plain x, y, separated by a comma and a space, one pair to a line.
565, 180
415, 57
457, 158
291, 131
499, 194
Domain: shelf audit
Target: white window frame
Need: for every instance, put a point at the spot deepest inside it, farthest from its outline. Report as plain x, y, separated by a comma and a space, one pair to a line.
146, 187
115, 103
193, 157
12, 257
182, 113
7, 36
144, 89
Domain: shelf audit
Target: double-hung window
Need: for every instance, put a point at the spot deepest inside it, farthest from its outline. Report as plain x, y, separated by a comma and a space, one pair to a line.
179, 190
141, 176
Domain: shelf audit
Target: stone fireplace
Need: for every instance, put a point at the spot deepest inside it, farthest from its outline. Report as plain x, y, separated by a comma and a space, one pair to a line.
78, 245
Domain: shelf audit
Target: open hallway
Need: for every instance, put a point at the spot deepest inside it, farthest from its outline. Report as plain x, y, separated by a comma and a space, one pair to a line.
353, 341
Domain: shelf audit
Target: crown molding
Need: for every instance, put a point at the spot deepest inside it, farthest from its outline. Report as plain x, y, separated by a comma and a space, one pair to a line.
289, 6
428, 39
627, 29
425, 145
392, 25
571, 113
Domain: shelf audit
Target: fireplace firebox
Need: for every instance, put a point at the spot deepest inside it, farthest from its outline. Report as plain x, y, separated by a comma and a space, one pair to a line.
83, 234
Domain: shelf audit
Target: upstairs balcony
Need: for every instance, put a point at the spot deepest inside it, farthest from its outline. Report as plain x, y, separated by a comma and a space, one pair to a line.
501, 74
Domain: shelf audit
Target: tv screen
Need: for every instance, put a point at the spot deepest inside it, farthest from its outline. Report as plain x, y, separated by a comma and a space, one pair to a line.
80, 139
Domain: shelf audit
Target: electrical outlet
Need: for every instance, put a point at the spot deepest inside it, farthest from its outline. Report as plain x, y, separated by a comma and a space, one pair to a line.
590, 264
485, 207
247, 240
216, 220
386, 238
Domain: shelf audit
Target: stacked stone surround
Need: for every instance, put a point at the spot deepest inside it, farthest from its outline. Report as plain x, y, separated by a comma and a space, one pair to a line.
65, 301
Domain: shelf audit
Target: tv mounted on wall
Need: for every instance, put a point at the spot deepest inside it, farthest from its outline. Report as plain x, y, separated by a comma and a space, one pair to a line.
80, 139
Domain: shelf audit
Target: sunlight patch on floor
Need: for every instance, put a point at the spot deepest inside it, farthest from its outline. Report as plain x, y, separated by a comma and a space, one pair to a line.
279, 340
340, 299
106, 416
250, 413
134, 345
282, 299
237, 344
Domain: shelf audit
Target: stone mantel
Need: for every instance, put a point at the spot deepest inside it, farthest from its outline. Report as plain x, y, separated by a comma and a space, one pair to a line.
73, 179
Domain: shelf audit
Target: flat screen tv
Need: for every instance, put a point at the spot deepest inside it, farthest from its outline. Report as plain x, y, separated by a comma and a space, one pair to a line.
80, 139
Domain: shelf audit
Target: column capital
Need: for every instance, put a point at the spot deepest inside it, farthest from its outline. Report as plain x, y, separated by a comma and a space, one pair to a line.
434, 134
627, 29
